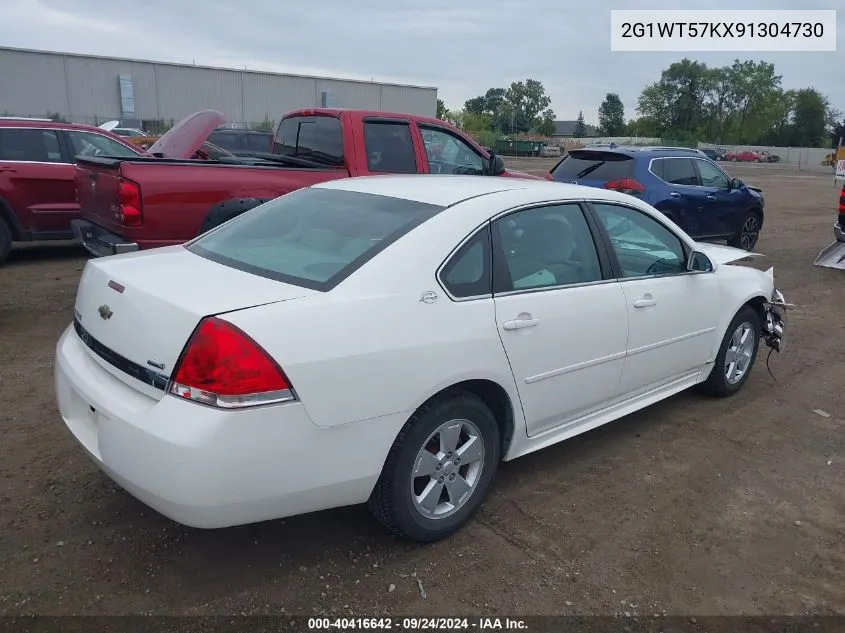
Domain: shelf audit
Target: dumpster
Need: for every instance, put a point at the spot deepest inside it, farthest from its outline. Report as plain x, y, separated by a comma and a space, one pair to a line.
511, 147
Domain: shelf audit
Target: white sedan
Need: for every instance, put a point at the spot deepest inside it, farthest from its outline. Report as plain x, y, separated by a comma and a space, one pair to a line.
392, 339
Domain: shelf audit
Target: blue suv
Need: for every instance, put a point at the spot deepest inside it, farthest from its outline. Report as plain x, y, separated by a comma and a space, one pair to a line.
684, 184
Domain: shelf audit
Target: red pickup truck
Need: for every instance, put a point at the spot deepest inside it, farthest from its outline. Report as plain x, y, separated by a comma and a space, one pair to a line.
131, 204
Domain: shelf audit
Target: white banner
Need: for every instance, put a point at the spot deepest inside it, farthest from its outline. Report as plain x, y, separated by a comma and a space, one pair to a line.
840, 169
723, 31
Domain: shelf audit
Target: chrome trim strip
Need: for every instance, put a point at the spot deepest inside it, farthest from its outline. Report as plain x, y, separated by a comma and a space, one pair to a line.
576, 367
677, 339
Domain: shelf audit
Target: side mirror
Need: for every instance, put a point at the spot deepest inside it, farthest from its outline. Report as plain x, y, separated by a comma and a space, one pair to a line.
736, 183
699, 262
495, 165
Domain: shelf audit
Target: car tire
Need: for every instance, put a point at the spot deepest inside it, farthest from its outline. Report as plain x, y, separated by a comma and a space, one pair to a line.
748, 232
399, 501
5, 240
741, 340
224, 211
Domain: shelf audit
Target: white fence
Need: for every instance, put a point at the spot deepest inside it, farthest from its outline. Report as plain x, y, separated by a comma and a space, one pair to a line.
802, 158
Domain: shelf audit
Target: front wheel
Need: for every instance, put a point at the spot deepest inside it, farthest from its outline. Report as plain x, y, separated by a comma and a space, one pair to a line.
5, 240
438, 469
748, 232
736, 355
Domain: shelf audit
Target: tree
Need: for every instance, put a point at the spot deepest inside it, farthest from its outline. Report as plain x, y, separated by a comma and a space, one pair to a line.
515, 109
809, 118
612, 115
837, 133
580, 129
442, 110
547, 123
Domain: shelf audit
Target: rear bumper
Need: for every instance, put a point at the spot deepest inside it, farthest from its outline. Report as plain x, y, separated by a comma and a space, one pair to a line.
98, 241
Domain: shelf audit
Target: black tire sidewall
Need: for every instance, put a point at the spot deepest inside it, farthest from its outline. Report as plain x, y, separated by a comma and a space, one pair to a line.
405, 515
721, 382
5, 240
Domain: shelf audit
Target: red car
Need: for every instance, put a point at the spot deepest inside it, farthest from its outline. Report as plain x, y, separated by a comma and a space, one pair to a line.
746, 156
38, 176
150, 201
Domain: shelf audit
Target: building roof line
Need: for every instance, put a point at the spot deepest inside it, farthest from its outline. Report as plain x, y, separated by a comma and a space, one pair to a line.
206, 67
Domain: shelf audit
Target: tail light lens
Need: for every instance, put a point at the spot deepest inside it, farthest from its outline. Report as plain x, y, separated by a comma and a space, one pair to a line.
130, 204
842, 208
223, 367
626, 185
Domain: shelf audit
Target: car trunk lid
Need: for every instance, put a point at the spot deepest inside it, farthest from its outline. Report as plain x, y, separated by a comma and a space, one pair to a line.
135, 312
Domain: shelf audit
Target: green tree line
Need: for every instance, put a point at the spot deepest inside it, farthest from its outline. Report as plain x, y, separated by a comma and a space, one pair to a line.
743, 103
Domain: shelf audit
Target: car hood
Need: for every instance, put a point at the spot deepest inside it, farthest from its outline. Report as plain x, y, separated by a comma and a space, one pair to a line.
187, 136
719, 254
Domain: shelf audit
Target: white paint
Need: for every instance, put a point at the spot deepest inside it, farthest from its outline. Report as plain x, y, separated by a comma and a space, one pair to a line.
365, 355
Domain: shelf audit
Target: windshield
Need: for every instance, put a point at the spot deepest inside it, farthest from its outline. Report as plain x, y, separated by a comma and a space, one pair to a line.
312, 237
593, 165
318, 139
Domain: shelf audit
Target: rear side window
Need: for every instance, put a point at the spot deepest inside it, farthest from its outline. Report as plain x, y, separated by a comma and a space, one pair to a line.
30, 145
470, 272
259, 142
317, 138
226, 140
677, 171
592, 165
389, 147
314, 237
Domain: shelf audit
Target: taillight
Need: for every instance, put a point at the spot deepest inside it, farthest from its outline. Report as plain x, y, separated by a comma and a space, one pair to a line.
130, 204
223, 367
626, 185
842, 208
548, 176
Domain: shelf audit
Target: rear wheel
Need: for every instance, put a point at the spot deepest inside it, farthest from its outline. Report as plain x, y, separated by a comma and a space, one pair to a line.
736, 355
748, 232
5, 240
438, 469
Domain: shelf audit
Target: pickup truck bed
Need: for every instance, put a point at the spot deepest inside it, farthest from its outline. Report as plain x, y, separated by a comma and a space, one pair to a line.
149, 202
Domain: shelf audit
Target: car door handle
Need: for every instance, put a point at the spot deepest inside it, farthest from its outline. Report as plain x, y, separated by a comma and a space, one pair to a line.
7, 168
711, 197
646, 302
518, 324
675, 194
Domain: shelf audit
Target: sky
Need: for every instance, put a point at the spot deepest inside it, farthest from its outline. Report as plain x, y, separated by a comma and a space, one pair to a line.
461, 47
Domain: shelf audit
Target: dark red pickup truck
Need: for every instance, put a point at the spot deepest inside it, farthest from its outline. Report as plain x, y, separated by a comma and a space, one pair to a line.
131, 204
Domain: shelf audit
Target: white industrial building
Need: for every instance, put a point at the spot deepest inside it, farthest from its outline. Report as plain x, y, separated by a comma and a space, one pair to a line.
91, 89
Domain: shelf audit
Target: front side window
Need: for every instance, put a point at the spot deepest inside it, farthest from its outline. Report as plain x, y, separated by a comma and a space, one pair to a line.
469, 272
642, 245
448, 154
712, 176
545, 246
29, 145
389, 147
314, 237
90, 144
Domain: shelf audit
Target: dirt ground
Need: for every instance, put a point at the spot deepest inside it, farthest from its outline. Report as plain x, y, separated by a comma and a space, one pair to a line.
694, 506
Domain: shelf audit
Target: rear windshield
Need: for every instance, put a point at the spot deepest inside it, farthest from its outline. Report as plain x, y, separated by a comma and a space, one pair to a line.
313, 237
316, 138
593, 165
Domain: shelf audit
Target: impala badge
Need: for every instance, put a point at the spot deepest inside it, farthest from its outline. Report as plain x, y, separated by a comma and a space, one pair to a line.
105, 312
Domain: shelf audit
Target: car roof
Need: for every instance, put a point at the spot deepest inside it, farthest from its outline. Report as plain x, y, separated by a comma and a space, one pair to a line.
446, 190
49, 123
635, 151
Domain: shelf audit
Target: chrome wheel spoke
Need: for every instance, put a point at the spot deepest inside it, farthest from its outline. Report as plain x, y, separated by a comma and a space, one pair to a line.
739, 353
430, 497
457, 489
449, 437
471, 450
426, 464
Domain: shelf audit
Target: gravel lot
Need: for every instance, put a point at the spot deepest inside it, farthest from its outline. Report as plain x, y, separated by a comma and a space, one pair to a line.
694, 506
